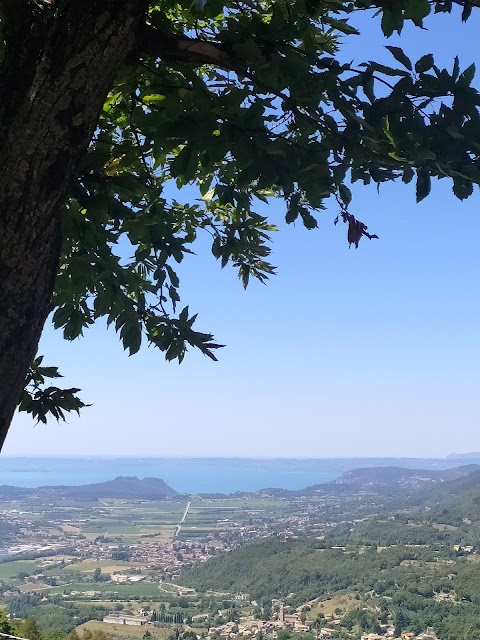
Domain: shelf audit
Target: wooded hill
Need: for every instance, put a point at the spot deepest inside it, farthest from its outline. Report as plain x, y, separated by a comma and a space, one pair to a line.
121, 487
409, 563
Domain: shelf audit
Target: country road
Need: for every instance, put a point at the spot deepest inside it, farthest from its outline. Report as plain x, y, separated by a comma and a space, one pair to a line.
179, 525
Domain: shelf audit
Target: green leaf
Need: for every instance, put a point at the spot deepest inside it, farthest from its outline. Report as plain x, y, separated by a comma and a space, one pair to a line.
408, 174
345, 194
465, 78
467, 12
456, 68
424, 184
417, 10
425, 63
174, 279
307, 218
208, 195
49, 372
343, 27
181, 162
401, 57
388, 71
249, 50
368, 86
131, 334
388, 133
293, 208
392, 20
462, 188
42, 401
175, 350
154, 99
291, 215
61, 316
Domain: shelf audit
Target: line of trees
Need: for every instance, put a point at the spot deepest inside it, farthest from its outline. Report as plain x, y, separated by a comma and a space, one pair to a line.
176, 617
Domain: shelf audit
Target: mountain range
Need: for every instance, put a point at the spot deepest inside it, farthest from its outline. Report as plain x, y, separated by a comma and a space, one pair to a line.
391, 477
472, 455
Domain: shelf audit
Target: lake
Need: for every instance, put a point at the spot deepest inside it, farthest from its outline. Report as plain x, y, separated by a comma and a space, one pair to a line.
197, 475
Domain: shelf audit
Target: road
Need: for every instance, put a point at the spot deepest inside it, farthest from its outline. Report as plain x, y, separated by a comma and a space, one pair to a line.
184, 517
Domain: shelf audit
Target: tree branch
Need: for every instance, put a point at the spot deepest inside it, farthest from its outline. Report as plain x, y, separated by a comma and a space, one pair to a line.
198, 52
184, 49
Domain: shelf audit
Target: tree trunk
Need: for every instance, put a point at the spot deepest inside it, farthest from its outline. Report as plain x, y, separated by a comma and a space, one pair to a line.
61, 59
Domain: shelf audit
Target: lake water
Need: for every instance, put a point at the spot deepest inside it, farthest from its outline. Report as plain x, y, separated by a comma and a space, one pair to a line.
195, 475
183, 475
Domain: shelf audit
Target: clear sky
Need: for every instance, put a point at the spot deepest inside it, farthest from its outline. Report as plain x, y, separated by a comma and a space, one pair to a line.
345, 353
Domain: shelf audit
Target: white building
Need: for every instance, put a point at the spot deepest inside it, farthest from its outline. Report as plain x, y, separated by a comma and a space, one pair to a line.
119, 619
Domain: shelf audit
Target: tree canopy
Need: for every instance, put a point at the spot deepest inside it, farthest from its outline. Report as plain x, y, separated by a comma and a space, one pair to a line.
246, 100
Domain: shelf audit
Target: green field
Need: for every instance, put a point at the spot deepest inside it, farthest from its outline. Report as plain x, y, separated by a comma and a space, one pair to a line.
89, 566
125, 522
122, 591
9, 569
117, 528
123, 630
242, 504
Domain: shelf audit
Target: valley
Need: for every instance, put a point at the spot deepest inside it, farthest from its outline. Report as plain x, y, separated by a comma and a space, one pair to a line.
379, 553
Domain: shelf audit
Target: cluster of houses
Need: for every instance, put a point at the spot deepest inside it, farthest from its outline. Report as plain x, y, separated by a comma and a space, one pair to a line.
429, 634
254, 628
465, 549
288, 621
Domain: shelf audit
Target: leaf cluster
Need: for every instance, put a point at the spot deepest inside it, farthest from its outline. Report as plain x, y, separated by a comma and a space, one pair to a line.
234, 103
42, 400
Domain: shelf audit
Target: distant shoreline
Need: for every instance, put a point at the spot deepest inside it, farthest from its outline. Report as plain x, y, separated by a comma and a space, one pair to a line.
197, 475
458, 456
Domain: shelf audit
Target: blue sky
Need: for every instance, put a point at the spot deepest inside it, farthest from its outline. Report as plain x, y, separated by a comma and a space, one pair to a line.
345, 353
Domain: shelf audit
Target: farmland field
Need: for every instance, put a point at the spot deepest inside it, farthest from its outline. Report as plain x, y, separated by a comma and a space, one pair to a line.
120, 591
9, 569
123, 630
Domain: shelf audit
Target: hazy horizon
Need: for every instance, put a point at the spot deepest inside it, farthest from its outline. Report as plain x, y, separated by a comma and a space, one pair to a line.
236, 457
205, 475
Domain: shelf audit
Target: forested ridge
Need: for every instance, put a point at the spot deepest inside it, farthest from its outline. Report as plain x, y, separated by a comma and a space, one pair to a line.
419, 567
405, 577
277, 567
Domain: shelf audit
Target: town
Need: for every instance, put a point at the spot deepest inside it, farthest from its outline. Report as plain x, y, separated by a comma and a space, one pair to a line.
127, 563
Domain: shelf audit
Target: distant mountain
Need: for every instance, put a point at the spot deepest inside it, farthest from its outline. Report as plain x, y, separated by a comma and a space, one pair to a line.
474, 455
399, 478
454, 502
382, 480
461, 495
121, 487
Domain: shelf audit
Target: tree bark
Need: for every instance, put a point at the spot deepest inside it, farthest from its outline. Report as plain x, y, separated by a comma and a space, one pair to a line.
61, 59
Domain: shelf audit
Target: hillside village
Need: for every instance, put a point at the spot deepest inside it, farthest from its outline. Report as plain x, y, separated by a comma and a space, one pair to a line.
285, 620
